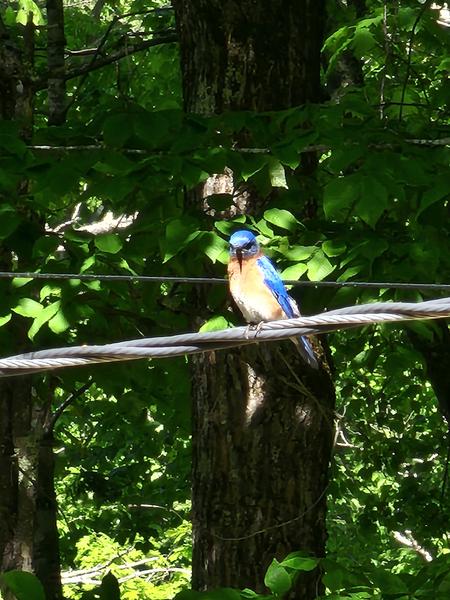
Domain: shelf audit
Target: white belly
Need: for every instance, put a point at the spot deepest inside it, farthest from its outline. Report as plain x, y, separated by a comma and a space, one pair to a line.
251, 306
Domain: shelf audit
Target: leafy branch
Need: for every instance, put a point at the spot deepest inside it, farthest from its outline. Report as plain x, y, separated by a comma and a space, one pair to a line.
84, 70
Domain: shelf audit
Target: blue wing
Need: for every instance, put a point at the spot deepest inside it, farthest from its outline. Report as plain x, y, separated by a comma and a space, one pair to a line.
275, 285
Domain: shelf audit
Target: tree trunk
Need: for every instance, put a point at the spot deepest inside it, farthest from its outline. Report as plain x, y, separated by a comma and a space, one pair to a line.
56, 43
250, 54
28, 532
262, 420
262, 438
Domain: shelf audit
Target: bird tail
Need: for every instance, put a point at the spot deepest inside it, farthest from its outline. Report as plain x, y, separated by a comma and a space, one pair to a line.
306, 351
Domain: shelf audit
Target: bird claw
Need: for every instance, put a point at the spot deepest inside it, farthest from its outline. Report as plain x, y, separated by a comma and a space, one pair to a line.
256, 327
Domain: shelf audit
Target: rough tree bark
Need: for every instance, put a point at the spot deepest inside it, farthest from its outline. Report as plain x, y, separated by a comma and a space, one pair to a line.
28, 533
56, 44
262, 421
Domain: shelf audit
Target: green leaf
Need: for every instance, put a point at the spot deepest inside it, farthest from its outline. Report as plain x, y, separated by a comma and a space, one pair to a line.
13, 144
390, 583
334, 247
214, 324
294, 271
373, 200
358, 194
28, 307
51, 289
19, 282
263, 228
277, 174
59, 323
5, 319
151, 127
253, 163
277, 579
215, 247
300, 563
9, 16
87, 263
319, 267
189, 595
117, 130
351, 272
109, 242
440, 190
227, 227
179, 233
339, 195
25, 8
192, 174
287, 154
61, 178
363, 41
9, 220
281, 218
43, 317
444, 585
248, 594
25, 586
299, 252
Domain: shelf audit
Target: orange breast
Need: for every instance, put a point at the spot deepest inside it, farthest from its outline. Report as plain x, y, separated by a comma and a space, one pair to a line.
253, 297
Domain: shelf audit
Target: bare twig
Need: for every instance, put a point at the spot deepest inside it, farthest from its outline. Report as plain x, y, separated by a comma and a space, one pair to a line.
158, 507
425, 6
387, 52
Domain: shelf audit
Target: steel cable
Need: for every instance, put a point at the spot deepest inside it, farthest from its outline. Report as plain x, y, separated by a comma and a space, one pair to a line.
191, 343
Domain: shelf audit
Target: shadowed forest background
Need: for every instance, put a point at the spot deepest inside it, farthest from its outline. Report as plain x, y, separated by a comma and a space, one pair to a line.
135, 136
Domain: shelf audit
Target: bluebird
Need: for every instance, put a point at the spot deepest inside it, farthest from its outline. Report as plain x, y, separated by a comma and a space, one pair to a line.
258, 290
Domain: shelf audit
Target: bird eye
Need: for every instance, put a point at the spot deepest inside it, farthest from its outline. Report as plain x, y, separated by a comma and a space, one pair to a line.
248, 245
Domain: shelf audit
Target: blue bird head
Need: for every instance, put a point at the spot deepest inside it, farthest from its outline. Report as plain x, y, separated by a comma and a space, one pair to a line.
243, 245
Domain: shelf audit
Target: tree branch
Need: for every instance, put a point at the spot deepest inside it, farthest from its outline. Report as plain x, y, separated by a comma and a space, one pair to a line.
425, 6
169, 38
103, 42
61, 408
406, 539
313, 148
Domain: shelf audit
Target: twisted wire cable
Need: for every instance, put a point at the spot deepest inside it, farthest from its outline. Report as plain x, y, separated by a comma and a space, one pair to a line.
192, 343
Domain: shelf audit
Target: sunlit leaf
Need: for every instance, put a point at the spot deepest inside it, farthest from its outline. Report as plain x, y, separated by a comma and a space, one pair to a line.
277, 174
294, 271
319, 267
277, 579
28, 307
215, 324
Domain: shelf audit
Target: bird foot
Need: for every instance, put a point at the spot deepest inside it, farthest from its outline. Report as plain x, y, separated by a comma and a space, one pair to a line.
254, 327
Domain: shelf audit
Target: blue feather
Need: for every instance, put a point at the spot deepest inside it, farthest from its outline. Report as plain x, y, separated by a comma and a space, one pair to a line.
276, 286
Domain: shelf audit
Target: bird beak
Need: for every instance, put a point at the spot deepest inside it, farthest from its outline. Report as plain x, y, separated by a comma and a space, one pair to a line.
239, 257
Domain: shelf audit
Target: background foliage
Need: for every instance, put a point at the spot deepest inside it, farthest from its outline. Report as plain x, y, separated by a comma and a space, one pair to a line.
113, 203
